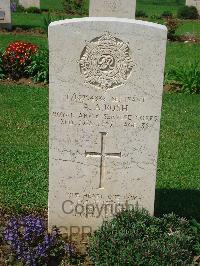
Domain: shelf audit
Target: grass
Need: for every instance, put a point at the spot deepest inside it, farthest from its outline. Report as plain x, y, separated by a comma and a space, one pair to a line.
181, 54
5, 39
157, 7
191, 27
178, 186
24, 148
157, 10
27, 20
51, 4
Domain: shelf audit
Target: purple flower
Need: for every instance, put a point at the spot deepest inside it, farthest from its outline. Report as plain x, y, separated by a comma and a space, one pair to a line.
47, 240
55, 231
13, 6
69, 248
31, 243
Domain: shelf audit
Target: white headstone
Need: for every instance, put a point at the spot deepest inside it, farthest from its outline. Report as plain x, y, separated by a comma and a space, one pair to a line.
112, 8
195, 3
30, 3
5, 14
106, 84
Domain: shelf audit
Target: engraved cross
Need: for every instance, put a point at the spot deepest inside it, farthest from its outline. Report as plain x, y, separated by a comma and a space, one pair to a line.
102, 155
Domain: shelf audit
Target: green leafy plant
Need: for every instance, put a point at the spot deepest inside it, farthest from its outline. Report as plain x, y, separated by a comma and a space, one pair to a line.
155, 17
141, 14
186, 78
172, 25
74, 6
2, 72
188, 12
47, 19
167, 14
19, 8
38, 69
178, 2
136, 238
33, 9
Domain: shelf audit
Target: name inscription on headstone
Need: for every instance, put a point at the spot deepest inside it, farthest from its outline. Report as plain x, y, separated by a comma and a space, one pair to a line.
98, 111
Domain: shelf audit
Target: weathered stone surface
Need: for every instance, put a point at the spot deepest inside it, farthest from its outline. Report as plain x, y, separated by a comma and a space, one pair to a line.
195, 3
112, 8
30, 3
2, 15
5, 14
106, 84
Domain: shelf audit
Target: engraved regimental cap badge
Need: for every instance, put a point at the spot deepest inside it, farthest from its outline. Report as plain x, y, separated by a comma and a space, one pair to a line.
106, 62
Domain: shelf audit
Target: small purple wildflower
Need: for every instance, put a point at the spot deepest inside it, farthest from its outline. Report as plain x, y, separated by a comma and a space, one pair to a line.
13, 6
31, 244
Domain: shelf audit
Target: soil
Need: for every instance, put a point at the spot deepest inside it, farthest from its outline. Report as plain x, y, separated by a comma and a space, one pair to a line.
23, 81
23, 31
167, 88
187, 38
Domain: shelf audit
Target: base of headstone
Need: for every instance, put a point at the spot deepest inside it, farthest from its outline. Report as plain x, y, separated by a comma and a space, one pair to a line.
6, 26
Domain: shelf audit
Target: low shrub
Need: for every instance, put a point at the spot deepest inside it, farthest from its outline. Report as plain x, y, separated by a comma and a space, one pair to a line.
140, 14
155, 17
188, 12
172, 25
75, 6
38, 69
2, 72
186, 77
17, 57
135, 238
30, 244
33, 9
167, 14
19, 8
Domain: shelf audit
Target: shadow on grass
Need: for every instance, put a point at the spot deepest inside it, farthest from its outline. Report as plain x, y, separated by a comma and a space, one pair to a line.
25, 27
185, 203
